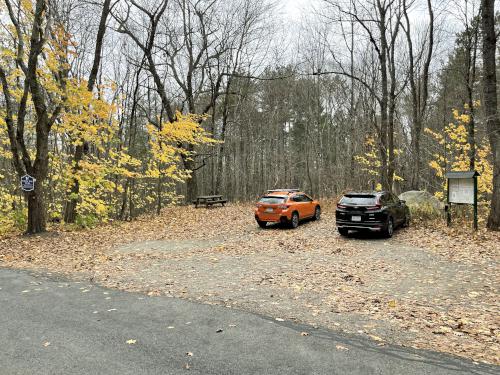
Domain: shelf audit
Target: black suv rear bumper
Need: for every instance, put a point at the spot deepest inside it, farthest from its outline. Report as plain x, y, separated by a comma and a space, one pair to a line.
355, 225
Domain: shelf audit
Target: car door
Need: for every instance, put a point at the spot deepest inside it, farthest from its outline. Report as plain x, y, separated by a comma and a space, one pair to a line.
309, 205
300, 206
389, 205
393, 206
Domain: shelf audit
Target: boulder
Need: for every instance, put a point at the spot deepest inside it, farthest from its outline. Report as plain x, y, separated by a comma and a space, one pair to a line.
422, 199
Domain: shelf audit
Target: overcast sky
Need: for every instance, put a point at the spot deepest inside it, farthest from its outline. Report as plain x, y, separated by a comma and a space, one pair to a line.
294, 8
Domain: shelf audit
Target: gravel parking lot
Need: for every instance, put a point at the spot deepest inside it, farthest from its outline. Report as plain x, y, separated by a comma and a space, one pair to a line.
425, 288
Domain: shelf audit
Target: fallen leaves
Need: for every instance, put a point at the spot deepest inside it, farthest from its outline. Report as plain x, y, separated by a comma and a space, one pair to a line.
376, 338
442, 330
46, 343
131, 341
423, 279
340, 347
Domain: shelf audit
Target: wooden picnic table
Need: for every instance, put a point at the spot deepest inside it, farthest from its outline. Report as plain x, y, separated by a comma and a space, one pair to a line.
209, 200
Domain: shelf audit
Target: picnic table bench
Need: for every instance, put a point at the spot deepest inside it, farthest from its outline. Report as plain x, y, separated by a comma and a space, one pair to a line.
209, 200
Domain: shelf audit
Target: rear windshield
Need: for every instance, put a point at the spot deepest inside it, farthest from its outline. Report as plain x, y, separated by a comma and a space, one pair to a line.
359, 200
272, 200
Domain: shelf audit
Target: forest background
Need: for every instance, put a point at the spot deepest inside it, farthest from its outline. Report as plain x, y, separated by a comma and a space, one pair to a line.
121, 107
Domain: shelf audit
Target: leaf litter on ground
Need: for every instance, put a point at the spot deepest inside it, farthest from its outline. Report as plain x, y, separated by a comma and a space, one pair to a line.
429, 287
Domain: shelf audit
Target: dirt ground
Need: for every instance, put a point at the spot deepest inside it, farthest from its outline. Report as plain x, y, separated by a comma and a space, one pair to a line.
426, 288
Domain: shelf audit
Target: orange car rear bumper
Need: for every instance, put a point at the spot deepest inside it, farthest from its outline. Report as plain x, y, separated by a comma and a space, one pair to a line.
272, 217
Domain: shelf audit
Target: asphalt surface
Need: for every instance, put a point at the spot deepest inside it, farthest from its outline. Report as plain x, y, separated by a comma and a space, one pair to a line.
54, 326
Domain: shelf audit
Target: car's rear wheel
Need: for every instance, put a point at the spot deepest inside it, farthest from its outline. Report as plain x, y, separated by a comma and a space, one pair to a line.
317, 213
294, 222
262, 224
343, 231
389, 229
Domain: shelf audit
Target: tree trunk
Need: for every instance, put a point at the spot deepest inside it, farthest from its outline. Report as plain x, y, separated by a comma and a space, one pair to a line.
71, 204
191, 185
192, 182
419, 92
471, 78
37, 221
491, 105
384, 103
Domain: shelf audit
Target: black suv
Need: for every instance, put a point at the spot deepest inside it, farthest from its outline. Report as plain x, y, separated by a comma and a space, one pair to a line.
379, 211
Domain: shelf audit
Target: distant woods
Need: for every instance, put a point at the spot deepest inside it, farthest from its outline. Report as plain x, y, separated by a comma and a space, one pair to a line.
119, 108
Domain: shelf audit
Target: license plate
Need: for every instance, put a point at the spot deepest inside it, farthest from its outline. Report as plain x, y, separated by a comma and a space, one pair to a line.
269, 209
356, 218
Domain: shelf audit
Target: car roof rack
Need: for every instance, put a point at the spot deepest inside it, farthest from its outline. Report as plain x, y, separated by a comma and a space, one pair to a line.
283, 190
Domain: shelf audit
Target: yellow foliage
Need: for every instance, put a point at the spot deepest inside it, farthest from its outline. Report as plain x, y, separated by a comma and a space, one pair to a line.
456, 158
166, 145
89, 118
370, 161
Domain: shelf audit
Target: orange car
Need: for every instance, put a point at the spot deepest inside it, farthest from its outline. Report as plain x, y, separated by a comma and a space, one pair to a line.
286, 206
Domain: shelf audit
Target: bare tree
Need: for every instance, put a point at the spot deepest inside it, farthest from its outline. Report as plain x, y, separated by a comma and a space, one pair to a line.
490, 103
418, 73
379, 22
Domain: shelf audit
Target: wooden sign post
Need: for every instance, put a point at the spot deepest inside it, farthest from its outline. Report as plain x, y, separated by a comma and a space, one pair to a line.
462, 189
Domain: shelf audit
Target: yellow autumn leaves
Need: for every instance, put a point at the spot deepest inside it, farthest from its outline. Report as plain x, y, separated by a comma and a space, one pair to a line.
370, 162
93, 119
166, 142
455, 153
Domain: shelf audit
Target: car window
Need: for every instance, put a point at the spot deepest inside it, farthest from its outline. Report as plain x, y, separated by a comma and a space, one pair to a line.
383, 199
307, 198
387, 199
272, 200
359, 200
298, 198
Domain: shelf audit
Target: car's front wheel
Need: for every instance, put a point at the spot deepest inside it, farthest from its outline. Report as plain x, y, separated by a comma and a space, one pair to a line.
406, 222
317, 213
294, 222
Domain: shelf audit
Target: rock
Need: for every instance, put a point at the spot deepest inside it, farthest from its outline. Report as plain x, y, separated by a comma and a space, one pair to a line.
422, 199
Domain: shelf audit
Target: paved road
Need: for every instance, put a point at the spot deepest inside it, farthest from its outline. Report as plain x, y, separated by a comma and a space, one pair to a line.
54, 326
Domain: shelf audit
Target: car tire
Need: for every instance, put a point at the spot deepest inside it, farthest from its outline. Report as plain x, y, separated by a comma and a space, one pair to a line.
317, 213
344, 232
406, 222
389, 229
294, 222
262, 224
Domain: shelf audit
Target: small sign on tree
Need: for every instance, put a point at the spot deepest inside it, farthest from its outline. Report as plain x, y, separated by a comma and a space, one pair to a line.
28, 183
462, 189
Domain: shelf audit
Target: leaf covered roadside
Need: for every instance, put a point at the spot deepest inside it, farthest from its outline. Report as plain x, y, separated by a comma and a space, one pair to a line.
434, 288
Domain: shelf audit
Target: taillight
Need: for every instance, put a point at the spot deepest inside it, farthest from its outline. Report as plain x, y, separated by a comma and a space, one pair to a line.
374, 208
341, 205
283, 206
